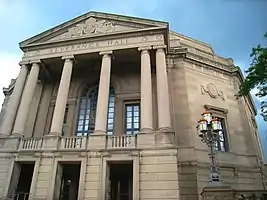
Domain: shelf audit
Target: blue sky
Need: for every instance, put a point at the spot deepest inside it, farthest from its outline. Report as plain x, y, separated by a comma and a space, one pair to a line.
232, 27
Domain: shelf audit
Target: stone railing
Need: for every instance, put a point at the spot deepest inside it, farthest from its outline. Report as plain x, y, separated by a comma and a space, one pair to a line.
30, 143
227, 193
122, 141
76, 142
58, 143
250, 195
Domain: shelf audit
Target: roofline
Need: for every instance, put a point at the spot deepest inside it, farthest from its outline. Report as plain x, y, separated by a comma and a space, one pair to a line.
91, 14
193, 40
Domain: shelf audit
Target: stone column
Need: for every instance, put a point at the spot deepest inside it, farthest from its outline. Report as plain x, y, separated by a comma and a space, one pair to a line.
13, 104
26, 99
164, 118
103, 94
146, 91
62, 96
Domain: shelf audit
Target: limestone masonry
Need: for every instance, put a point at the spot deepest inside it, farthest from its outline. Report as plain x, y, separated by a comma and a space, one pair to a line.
105, 107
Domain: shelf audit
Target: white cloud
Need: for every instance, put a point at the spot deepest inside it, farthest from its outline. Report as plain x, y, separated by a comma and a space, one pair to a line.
9, 69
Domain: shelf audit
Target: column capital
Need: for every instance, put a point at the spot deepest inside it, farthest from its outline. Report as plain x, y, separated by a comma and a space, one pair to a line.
160, 47
69, 57
105, 53
35, 61
144, 48
23, 63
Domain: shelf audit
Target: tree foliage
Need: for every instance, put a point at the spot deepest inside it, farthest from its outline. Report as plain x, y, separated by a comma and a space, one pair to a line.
257, 76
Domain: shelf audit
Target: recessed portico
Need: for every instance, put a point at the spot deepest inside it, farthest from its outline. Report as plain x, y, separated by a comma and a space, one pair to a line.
103, 91
107, 46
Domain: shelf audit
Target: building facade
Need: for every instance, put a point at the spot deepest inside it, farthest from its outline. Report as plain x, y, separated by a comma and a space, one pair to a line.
106, 107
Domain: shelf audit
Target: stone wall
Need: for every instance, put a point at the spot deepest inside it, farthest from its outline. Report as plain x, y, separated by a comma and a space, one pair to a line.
93, 178
159, 174
5, 167
44, 177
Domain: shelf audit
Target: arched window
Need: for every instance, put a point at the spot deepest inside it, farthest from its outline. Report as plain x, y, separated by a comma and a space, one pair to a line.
87, 111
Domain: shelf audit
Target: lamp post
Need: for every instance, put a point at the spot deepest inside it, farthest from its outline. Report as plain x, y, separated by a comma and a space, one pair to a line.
208, 128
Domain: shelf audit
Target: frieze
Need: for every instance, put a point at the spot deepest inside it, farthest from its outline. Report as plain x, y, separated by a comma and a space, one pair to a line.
206, 69
93, 46
93, 26
207, 61
204, 57
212, 90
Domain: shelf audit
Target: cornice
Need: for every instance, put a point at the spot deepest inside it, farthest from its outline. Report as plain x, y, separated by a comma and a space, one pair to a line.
202, 59
226, 67
98, 37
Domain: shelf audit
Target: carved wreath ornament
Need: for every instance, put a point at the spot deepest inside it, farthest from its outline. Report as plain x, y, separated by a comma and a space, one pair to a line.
212, 90
91, 26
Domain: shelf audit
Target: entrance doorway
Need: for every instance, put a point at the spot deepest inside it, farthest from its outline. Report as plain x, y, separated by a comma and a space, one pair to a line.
21, 180
119, 180
67, 181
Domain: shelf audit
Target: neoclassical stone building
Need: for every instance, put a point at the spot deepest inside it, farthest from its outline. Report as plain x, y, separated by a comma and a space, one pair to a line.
106, 107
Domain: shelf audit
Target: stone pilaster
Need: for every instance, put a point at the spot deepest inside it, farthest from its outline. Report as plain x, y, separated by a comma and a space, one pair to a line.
146, 91
13, 104
62, 96
164, 118
103, 94
26, 99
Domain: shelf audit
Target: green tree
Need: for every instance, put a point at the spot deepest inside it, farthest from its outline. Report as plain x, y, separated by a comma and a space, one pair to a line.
257, 76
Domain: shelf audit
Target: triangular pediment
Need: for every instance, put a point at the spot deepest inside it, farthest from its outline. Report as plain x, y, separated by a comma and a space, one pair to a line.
93, 24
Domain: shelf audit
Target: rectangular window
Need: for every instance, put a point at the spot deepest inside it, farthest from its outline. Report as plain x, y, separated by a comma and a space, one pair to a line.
111, 111
64, 126
221, 144
132, 118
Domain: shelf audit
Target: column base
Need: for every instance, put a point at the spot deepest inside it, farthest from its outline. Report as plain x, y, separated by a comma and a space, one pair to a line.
17, 135
2, 135
165, 138
145, 140
99, 132
165, 129
10, 143
220, 193
97, 140
147, 130
51, 141
54, 134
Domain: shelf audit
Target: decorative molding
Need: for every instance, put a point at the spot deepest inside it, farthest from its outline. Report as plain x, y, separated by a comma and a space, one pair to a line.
144, 49
93, 46
214, 108
68, 57
203, 57
105, 53
91, 26
160, 47
212, 90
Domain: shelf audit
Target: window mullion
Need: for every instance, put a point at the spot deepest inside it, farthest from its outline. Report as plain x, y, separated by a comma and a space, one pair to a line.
132, 119
85, 114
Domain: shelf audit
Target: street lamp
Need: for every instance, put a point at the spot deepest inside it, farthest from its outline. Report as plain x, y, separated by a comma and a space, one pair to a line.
208, 128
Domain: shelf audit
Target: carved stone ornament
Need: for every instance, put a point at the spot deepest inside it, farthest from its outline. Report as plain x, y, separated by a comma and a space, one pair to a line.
212, 90
90, 27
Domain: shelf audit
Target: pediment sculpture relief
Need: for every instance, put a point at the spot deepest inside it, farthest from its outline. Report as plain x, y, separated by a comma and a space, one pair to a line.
212, 90
91, 26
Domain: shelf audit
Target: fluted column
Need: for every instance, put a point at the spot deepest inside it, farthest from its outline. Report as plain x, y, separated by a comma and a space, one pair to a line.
146, 91
62, 96
13, 104
26, 99
103, 94
164, 118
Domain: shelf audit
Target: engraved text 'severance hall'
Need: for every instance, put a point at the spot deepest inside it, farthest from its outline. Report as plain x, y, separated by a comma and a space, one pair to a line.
95, 45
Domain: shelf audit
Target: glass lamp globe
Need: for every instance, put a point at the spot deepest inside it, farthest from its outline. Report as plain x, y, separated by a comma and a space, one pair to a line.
216, 125
202, 125
207, 115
